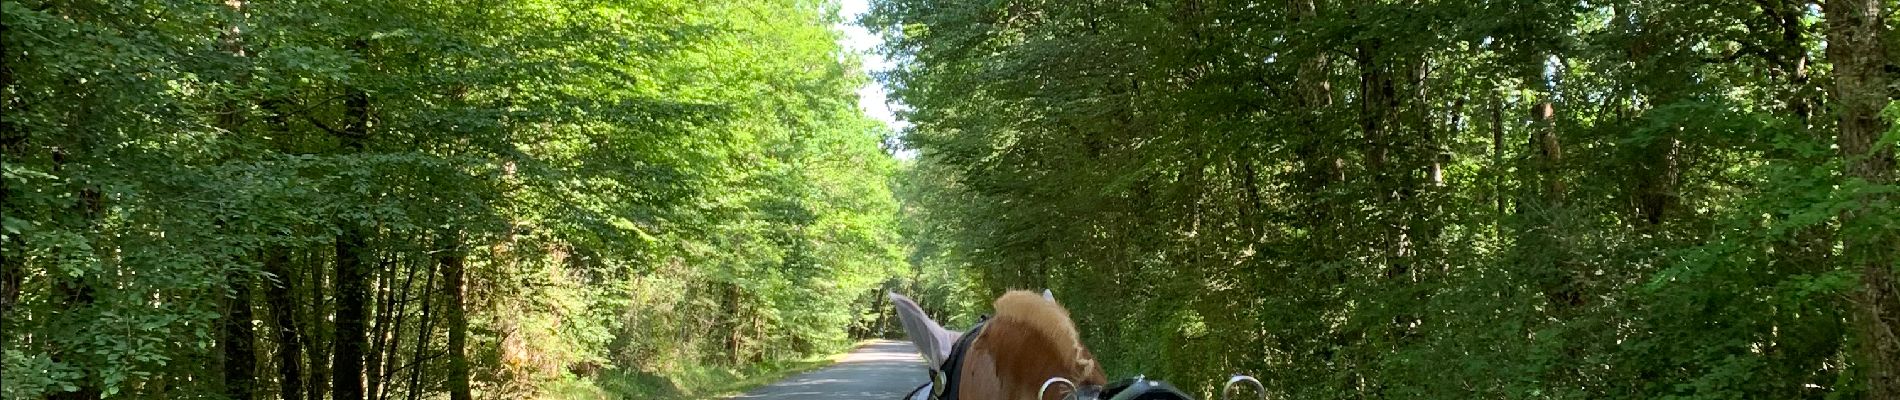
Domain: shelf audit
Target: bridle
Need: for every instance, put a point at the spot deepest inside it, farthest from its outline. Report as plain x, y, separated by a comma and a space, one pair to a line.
947, 378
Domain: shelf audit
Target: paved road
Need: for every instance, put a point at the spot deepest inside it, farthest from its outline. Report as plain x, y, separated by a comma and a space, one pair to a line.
881, 370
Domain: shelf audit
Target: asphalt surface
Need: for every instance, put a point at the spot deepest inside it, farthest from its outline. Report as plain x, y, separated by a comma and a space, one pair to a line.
883, 370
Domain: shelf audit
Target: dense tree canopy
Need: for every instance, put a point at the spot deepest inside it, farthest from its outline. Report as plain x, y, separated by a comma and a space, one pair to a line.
424, 199
1425, 199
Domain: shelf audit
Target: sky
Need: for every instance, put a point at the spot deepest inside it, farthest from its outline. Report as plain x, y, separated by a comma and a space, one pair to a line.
872, 97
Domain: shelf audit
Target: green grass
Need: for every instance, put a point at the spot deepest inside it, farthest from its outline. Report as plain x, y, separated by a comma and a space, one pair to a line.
691, 383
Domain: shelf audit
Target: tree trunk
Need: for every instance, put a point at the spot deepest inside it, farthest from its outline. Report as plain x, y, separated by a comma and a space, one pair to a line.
1441, 152
289, 348
1560, 287
1497, 161
297, 338
390, 347
386, 312
1378, 99
1655, 192
238, 340
1320, 168
1790, 56
317, 340
425, 329
455, 314
1314, 95
1855, 32
12, 146
352, 296
237, 337
353, 260
735, 325
1550, 151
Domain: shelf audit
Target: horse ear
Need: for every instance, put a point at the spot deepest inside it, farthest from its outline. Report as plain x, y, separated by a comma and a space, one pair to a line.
1047, 295
931, 339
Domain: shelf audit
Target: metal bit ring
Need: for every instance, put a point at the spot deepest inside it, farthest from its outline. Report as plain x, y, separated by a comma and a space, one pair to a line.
1228, 389
1051, 381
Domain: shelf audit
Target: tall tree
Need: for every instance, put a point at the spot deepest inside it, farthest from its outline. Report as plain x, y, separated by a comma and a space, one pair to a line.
1857, 38
354, 258
237, 337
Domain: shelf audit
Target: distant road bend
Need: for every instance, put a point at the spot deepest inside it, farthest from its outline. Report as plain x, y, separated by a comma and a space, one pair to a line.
882, 370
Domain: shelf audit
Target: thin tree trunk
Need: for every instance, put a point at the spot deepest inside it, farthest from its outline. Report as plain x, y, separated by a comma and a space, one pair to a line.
456, 316
735, 325
1315, 94
1790, 57
352, 296
1497, 161
1441, 153
317, 339
1320, 168
238, 340
12, 268
13, 147
1656, 186
386, 309
425, 330
1377, 100
392, 351
1855, 34
1560, 285
277, 298
1550, 152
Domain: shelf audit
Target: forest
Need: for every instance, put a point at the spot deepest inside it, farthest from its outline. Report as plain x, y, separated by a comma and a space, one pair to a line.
1360, 199
563, 199
430, 199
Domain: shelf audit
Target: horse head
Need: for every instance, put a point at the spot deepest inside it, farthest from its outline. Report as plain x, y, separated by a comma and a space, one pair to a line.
1029, 342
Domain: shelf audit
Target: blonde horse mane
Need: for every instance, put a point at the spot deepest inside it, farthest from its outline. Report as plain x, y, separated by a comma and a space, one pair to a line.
1042, 315
1028, 341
